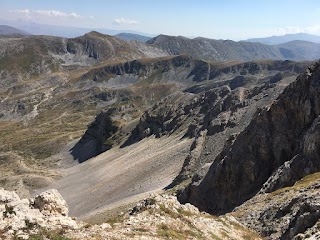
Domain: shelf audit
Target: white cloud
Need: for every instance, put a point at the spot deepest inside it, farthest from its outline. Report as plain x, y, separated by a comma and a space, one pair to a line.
22, 11
46, 13
119, 21
54, 13
314, 29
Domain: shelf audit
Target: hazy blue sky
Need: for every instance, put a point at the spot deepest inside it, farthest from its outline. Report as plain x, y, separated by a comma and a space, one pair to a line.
223, 19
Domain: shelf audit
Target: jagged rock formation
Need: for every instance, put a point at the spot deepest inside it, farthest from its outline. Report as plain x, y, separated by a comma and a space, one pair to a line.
176, 74
212, 105
210, 114
277, 148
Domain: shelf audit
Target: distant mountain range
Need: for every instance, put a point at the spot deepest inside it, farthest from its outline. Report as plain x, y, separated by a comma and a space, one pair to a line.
62, 31
227, 50
27, 28
163, 45
69, 32
11, 31
275, 40
94, 48
132, 36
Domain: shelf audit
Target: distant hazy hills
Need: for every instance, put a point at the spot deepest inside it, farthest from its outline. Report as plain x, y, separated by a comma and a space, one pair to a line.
301, 50
11, 31
60, 31
132, 36
274, 40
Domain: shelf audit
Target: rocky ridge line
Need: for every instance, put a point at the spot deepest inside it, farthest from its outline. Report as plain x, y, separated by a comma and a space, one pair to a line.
158, 217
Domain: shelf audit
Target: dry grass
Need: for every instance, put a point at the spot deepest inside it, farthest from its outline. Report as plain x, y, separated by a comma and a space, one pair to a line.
303, 183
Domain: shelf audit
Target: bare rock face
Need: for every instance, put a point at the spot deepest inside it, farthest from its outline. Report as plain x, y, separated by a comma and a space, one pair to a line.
277, 148
209, 114
288, 213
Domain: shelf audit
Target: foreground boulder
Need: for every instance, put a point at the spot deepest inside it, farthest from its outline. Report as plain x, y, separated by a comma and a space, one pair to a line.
51, 203
24, 217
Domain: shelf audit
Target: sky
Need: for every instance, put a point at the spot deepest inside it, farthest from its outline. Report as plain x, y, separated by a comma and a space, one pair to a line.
217, 19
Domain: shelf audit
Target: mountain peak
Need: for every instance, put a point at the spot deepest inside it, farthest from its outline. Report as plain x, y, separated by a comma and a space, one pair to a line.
95, 34
6, 30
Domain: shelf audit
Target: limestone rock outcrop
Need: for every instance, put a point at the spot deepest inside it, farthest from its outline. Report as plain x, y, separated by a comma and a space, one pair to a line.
163, 217
277, 148
158, 217
288, 213
24, 217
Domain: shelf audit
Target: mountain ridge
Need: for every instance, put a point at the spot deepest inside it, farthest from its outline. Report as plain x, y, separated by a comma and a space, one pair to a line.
275, 40
8, 31
226, 50
132, 36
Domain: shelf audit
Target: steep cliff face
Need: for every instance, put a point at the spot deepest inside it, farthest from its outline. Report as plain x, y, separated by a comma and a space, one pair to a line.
185, 70
277, 148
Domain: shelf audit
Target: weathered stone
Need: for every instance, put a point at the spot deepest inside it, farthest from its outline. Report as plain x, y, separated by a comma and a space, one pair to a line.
51, 203
26, 216
8, 196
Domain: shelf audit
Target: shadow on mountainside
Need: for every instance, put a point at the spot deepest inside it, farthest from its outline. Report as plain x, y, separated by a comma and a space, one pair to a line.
97, 138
